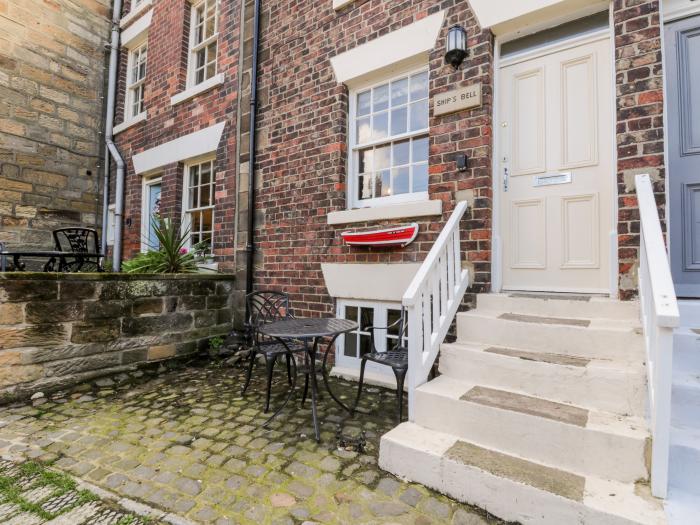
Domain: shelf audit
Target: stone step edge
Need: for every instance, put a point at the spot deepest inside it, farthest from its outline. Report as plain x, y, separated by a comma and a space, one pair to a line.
446, 441
627, 421
611, 325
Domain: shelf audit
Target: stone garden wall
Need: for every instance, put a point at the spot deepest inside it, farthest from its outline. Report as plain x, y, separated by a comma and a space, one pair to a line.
57, 330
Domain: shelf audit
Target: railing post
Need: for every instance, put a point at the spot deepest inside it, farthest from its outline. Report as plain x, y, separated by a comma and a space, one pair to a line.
661, 420
415, 351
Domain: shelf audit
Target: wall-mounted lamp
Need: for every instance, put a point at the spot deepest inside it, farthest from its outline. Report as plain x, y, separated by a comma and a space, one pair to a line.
456, 50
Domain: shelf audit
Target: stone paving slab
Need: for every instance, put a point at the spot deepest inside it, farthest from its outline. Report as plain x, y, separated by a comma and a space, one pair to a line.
190, 446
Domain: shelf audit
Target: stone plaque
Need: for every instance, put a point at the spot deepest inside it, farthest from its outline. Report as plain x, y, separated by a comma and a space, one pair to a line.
457, 100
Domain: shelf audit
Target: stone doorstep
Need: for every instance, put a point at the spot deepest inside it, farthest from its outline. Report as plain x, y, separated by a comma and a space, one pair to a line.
551, 297
527, 405
553, 359
536, 319
555, 481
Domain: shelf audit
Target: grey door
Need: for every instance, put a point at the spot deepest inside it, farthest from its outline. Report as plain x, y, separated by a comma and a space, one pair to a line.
683, 91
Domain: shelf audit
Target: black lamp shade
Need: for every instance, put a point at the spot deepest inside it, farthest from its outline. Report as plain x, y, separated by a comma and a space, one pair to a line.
456, 50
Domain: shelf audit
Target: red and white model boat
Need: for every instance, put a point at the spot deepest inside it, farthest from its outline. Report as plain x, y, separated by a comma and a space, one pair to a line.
399, 236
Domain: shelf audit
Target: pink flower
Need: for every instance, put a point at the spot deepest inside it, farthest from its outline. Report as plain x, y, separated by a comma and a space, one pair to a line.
183, 251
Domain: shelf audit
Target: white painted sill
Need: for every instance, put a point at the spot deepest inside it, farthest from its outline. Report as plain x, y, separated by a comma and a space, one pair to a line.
132, 122
339, 4
132, 15
392, 211
193, 91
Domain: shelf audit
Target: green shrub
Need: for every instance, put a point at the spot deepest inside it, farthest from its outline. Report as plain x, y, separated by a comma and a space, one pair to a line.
171, 256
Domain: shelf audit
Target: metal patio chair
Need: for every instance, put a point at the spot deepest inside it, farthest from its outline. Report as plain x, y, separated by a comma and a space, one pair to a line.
267, 307
395, 357
78, 241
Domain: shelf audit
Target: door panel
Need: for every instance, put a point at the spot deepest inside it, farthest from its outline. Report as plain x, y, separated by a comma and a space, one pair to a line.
683, 91
557, 142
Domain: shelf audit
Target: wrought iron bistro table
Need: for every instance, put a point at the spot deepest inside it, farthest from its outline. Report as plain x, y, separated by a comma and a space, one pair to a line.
56, 261
312, 330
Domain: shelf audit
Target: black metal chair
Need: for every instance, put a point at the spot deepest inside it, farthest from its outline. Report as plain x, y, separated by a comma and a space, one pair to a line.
78, 241
267, 307
395, 357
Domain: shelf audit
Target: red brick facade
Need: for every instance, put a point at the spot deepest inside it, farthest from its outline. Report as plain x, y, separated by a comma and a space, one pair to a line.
302, 134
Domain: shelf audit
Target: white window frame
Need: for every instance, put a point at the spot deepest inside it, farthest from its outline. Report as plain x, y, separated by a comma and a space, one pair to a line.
132, 86
186, 210
381, 309
353, 150
146, 224
194, 48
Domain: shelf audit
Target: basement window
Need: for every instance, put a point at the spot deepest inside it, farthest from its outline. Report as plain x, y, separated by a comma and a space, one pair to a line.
204, 33
389, 141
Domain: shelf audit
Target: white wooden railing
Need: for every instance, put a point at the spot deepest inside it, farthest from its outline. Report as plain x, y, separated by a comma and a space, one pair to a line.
431, 302
659, 312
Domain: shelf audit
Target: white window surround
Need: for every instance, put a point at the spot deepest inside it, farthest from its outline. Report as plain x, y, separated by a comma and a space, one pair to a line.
183, 148
339, 4
110, 224
193, 91
200, 190
424, 208
409, 168
135, 86
405, 44
136, 32
675, 9
205, 41
129, 123
369, 282
135, 12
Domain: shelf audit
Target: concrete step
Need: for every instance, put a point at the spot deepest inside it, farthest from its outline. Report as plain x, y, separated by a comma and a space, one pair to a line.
684, 466
572, 438
511, 487
686, 350
594, 384
589, 338
560, 305
686, 402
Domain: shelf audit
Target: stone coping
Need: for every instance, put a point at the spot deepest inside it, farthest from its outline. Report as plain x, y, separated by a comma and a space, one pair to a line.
111, 276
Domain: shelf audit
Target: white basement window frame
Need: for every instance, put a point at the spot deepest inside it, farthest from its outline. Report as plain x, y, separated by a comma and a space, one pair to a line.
203, 43
350, 347
388, 138
198, 204
134, 108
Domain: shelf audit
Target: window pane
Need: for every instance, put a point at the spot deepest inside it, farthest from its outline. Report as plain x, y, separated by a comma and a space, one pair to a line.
196, 222
420, 149
419, 86
381, 98
382, 157
384, 183
420, 177
351, 313
364, 103
399, 92
399, 119
365, 345
401, 153
364, 130
367, 318
364, 186
419, 115
208, 220
350, 349
365, 164
401, 181
380, 129
392, 316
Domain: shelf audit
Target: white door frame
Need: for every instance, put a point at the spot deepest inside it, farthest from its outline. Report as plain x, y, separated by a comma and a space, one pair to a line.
145, 188
497, 244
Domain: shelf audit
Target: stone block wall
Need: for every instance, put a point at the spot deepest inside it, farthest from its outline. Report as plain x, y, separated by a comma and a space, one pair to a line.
57, 330
52, 82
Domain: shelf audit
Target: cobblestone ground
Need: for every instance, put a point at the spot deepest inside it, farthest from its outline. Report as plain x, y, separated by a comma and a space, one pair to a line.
188, 444
31, 495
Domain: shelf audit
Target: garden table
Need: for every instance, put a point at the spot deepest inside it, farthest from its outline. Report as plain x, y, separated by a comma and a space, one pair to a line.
55, 260
312, 330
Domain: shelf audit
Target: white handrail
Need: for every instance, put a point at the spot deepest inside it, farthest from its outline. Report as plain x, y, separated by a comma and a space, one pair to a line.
432, 300
659, 312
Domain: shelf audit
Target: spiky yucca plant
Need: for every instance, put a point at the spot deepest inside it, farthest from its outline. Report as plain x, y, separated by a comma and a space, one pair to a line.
171, 255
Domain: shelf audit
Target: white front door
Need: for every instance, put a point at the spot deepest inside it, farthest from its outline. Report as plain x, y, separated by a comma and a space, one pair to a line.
556, 169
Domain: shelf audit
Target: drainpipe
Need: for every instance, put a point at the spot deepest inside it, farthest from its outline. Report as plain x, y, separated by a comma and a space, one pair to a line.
250, 245
111, 150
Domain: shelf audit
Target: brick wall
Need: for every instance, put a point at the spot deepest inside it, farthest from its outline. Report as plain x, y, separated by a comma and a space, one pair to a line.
60, 330
640, 133
52, 76
168, 39
302, 154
